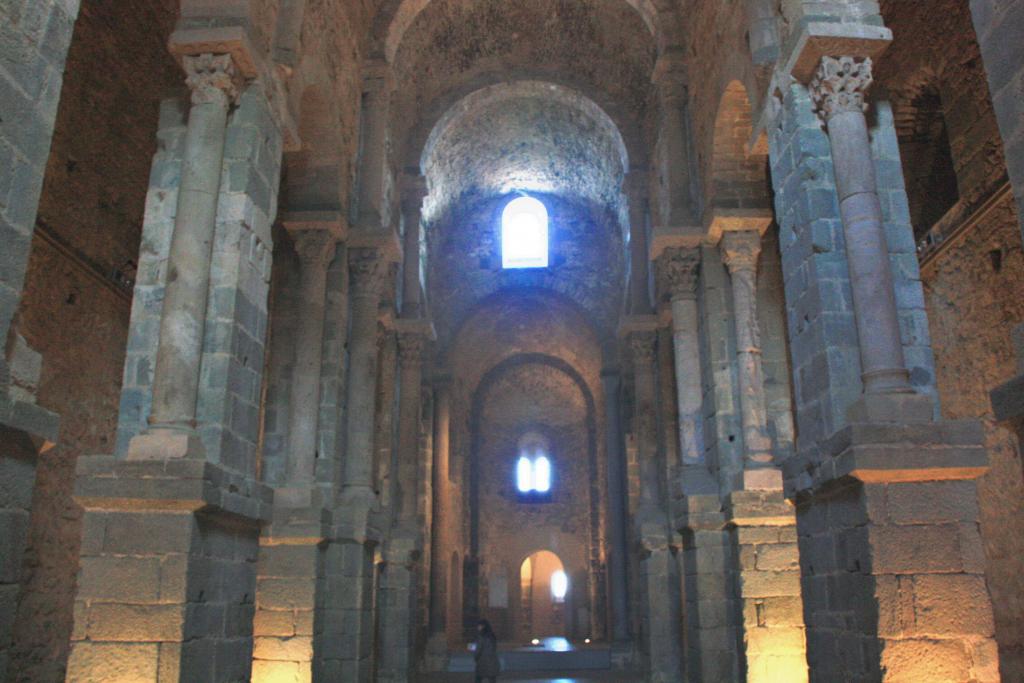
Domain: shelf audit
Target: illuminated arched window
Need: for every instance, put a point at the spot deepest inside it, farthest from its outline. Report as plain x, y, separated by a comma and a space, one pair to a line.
533, 468
524, 234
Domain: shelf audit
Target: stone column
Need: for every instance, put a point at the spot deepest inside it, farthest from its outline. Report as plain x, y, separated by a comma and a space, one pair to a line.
616, 474
414, 190
171, 434
740, 251
366, 272
377, 83
658, 566
437, 645
636, 192
682, 268
760, 522
403, 548
315, 249
838, 89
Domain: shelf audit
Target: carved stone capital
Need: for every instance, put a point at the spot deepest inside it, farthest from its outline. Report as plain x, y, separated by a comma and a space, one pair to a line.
740, 250
314, 247
641, 347
840, 85
410, 348
680, 270
366, 271
212, 78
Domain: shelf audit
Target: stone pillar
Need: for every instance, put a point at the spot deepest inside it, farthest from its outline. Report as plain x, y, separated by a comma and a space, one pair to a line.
404, 547
760, 522
366, 272
414, 190
167, 582
711, 622
681, 268
659, 568
740, 251
616, 474
639, 288
315, 249
838, 88
171, 434
26, 432
373, 124
887, 515
995, 22
32, 57
437, 645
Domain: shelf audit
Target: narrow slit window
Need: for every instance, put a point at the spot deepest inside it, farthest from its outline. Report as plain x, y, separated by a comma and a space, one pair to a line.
524, 234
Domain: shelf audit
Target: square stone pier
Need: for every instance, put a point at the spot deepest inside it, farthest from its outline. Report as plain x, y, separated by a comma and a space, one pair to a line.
167, 581
892, 565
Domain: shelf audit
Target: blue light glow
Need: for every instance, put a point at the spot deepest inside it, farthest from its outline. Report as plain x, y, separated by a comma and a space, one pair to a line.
524, 234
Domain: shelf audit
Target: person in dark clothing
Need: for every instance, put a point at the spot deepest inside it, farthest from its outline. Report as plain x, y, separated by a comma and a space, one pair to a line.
486, 655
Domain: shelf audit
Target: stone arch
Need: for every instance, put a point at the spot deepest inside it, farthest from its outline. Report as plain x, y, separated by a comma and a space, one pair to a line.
478, 402
396, 17
432, 127
738, 173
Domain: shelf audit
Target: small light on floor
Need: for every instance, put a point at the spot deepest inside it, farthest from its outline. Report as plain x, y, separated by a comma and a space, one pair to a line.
535, 641
587, 641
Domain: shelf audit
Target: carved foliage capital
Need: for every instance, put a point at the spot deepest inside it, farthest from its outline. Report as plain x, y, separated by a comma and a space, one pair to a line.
410, 348
840, 85
366, 271
212, 78
680, 269
314, 247
740, 250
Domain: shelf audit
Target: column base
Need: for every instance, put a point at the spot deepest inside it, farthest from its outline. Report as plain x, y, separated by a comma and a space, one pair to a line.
167, 585
435, 658
664, 642
165, 444
892, 564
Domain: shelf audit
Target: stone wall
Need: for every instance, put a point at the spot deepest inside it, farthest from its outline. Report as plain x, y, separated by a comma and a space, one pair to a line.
74, 309
973, 279
975, 293
532, 398
999, 26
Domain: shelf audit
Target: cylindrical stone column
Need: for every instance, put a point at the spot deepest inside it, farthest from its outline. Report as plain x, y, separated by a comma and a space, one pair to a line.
682, 268
740, 251
214, 87
636, 191
366, 273
373, 159
442, 422
414, 190
315, 249
410, 357
616, 474
642, 349
838, 89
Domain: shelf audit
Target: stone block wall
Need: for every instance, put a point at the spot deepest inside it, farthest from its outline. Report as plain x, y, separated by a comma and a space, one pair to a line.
17, 479
1000, 28
283, 628
896, 584
36, 36
236, 314
147, 303
822, 332
164, 596
343, 623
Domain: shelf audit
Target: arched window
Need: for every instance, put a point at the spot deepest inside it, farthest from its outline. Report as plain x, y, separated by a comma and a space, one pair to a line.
524, 234
533, 468
559, 585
